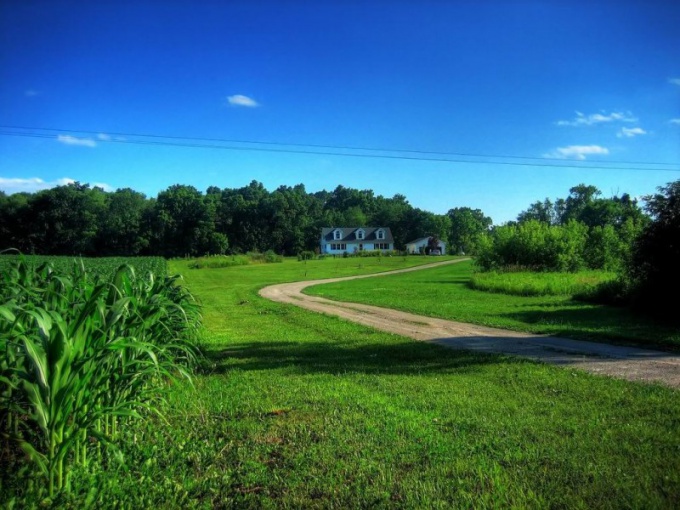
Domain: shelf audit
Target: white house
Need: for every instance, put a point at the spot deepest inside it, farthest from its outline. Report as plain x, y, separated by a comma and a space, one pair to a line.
336, 241
419, 246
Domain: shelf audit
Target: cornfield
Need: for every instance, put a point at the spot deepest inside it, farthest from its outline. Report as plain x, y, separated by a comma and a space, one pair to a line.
103, 267
80, 355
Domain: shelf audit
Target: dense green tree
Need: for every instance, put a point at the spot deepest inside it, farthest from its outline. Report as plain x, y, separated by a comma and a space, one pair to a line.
544, 212
65, 220
467, 225
184, 224
580, 197
15, 231
125, 226
654, 267
248, 226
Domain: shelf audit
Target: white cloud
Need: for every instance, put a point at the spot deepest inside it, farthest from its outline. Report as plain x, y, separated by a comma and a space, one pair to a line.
597, 118
16, 185
102, 185
104, 137
630, 132
239, 100
33, 184
577, 152
674, 121
31, 93
674, 81
73, 140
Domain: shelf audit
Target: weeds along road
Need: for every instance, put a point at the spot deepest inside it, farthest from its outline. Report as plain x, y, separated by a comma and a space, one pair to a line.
617, 361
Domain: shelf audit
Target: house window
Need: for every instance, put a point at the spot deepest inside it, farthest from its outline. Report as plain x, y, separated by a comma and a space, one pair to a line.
381, 234
381, 246
338, 246
360, 234
337, 235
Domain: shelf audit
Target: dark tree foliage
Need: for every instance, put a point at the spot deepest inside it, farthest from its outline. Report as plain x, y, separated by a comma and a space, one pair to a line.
467, 226
585, 205
76, 219
655, 264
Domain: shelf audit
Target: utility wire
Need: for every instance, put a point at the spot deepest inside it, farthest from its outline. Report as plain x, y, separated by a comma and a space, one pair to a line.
316, 146
327, 153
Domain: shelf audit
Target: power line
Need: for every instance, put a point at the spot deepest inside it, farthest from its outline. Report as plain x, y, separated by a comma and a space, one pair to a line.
327, 153
317, 146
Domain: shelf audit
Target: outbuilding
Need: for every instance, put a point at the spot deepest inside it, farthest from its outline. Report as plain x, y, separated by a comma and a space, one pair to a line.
419, 246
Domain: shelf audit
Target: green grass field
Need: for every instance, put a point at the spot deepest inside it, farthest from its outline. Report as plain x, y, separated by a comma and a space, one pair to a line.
295, 409
445, 293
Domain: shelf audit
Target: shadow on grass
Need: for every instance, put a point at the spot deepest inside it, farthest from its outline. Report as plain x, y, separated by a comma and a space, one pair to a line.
337, 358
605, 324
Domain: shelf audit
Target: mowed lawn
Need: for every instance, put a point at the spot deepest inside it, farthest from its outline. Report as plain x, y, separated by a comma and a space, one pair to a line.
444, 292
296, 409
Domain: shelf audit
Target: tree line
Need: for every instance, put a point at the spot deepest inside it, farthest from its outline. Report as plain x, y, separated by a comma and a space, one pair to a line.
77, 219
581, 231
642, 245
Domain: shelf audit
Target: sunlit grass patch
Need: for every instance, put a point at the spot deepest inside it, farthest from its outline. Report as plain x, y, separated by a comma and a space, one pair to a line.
531, 283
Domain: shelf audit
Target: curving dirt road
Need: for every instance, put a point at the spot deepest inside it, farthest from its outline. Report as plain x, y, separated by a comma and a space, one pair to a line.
612, 360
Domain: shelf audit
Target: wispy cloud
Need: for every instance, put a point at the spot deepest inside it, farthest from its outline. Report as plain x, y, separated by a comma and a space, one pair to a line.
577, 152
674, 121
630, 132
33, 184
104, 137
674, 81
597, 118
73, 140
31, 93
240, 100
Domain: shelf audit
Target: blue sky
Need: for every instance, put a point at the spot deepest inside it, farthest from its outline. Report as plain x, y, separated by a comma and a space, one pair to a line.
568, 85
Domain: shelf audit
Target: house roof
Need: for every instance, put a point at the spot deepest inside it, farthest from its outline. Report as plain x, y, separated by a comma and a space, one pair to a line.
421, 239
349, 234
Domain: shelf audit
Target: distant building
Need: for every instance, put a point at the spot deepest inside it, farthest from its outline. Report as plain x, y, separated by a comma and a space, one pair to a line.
339, 240
420, 245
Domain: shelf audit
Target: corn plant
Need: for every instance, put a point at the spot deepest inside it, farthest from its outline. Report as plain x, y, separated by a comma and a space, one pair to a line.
78, 354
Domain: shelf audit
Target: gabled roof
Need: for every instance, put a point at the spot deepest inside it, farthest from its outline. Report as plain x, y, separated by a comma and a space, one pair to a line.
348, 234
420, 239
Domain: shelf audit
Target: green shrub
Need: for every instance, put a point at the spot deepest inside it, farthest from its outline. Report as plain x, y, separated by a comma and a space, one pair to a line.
306, 255
267, 257
219, 261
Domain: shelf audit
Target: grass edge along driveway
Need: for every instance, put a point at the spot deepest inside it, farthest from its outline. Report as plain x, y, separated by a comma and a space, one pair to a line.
600, 358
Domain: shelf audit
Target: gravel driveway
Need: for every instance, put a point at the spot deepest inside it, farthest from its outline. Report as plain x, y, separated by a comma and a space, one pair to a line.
612, 360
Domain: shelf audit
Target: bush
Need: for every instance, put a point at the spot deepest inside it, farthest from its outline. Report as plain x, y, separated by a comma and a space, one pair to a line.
654, 270
306, 255
267, 257
219, 261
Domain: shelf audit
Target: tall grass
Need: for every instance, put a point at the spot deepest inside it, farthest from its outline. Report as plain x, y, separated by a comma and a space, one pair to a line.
79, 356
528, 283
222, 261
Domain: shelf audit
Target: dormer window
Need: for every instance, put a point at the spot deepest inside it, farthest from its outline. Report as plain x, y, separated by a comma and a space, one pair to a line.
381, 234
337, 235
360, 234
